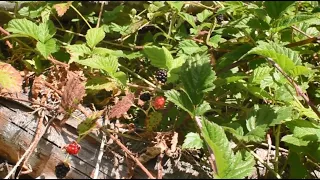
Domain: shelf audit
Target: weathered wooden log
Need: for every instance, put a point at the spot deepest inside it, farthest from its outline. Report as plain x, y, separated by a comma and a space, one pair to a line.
17, 129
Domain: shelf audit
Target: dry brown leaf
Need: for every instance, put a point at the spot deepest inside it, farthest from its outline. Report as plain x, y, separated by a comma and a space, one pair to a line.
10, 79
62, 8
37, 86
73, 92
122, 106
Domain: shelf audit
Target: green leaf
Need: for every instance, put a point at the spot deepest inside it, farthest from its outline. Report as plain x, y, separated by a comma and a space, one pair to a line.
189, 18
47, 48
197, 78
300, 70
290, 139
305, 130
23, 27
189, 47
192, 141
260, 74
46, 31
297, 169
214, 40
202, 108
105, 51
78, 49
108, 64
288, 21
285, 57
262, 116
94, 36
159, 57
177, 5
204, 15
181, 100
228, 164
276, 8
121, 77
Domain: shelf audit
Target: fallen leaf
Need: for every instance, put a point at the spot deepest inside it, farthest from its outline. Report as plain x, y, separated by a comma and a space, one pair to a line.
62, 8
122, 106
37, 86
73, 93
11, 80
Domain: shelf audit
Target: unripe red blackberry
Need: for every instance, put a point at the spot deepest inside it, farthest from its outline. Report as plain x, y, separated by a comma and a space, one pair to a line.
62, 170
145, 96
161, 75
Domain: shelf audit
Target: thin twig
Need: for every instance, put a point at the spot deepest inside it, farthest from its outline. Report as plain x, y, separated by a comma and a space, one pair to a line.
101, 151
76, 10
299, 30
297, 88
269, 147
6, 33
100, 13
273, 147
125, 149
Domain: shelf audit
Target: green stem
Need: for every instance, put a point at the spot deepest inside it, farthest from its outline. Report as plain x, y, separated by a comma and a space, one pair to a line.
277, 143
75, 9
213, 26
173, 19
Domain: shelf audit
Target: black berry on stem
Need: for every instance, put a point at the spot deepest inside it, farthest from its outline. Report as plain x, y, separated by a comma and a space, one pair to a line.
161, 75
145, 96
62, 170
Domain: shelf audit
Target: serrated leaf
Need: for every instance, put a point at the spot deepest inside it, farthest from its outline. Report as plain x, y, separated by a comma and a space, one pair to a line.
228, 164
46, 31
99, 83
276, 8
285, 57
180, 99
177, 5
260, 74
121, 77
214, 40
47, 48
300, 70
108, 64
105, 51
62, 8
78, 49
197, 78
204, 15
23, 27
202, 108
86, 125
189, 47
288, 21
305, 130
11, 80
192, 141
122, 106
290, 139
159, 57
94, 36
189, 18
256, 91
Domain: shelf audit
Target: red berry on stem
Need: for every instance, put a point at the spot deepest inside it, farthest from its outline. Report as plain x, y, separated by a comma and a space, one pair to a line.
73, 148
159, 102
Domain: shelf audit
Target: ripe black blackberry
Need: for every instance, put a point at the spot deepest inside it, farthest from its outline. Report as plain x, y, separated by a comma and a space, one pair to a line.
220, 18
161, 75
61, 170
145, 96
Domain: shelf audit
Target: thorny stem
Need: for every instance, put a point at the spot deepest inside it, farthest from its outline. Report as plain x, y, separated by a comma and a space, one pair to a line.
75, 9
277, 143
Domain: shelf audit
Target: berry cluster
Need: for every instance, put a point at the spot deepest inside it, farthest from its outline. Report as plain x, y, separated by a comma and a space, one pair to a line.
62, 170
161, 75
145, 96
73, 148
